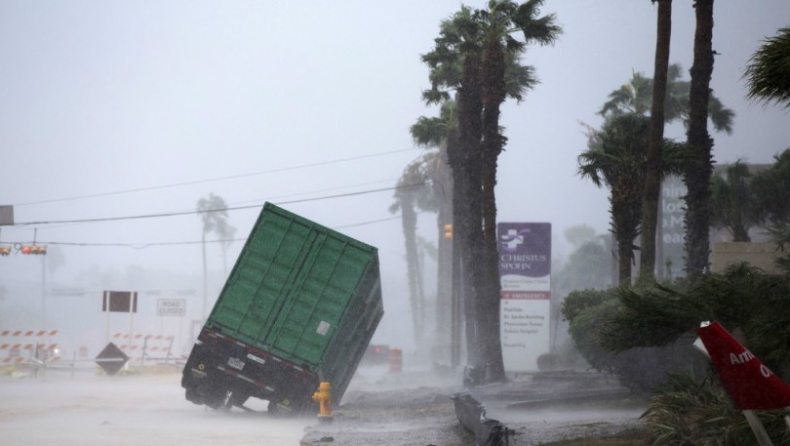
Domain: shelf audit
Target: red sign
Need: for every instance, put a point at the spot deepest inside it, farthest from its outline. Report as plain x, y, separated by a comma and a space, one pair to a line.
750, 383
529, 295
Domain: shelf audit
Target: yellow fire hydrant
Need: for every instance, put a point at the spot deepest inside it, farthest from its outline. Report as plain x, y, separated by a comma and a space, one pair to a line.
324, 399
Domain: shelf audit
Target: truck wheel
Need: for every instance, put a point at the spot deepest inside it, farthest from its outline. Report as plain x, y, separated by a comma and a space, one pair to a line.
193, 396
216, 400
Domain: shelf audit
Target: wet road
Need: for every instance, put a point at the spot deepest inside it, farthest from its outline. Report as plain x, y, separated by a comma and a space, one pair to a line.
144, 409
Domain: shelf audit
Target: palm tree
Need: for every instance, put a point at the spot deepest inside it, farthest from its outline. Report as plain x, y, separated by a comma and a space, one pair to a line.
636, 96
733, 203
699, 160
441, 132
408, 199
617, 157
476, 56
768, 73
653, 174
453, 66
633, 97
501, 20
213, 212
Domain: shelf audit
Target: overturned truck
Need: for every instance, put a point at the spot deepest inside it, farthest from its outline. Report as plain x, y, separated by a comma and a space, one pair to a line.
299, 307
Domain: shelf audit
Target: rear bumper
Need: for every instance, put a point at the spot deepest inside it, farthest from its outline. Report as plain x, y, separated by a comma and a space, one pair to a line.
221, 370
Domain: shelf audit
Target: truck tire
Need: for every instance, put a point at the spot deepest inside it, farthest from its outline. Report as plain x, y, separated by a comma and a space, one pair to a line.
193, 396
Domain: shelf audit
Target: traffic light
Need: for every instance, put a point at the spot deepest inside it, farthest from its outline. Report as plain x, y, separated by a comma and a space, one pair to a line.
448, 232
34, 249
5, 250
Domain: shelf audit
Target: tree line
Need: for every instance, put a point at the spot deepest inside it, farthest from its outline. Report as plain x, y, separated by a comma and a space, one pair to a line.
475, 65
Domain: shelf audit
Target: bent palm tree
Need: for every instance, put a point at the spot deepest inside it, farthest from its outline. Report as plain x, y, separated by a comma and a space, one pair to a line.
213, 213
635, 96
617, 157
410, 197
441, 132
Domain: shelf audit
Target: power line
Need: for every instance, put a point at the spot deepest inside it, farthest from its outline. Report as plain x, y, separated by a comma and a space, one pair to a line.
230, 177
194, 242
235, 208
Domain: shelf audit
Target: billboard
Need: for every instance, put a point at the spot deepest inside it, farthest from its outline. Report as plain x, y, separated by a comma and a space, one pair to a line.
525, 304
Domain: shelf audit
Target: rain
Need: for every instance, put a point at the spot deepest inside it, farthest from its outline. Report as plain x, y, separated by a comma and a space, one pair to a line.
117, 119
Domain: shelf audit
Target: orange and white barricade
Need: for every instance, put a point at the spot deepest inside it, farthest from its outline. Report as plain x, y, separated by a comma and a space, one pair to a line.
144, 347
22, 346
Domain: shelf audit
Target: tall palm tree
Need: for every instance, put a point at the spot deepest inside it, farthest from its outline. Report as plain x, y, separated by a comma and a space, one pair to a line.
654, 153
768, 73
469, 42
453, 67
499, 22
699, 160
617, 157
441, 132
633, 97
213, 213
408, 200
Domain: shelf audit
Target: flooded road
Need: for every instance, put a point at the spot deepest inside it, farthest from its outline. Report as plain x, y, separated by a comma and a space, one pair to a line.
144, 409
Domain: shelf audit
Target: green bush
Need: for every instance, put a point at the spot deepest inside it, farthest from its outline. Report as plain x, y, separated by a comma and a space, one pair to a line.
591, 313
640, 333
688, 412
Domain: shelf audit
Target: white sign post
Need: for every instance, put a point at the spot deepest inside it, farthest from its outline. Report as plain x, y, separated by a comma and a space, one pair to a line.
525, 274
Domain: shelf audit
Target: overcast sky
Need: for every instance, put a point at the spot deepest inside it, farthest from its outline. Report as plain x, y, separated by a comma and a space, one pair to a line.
111, 109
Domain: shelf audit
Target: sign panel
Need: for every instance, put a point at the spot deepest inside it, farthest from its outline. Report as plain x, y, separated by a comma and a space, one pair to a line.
6, 215
672, 231
525, 274
119, 301
111, 359
171, 307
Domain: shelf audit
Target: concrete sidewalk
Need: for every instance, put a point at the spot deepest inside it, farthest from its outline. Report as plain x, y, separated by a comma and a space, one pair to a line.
416, 408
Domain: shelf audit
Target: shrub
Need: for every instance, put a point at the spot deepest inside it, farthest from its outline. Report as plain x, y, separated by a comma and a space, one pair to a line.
686, 411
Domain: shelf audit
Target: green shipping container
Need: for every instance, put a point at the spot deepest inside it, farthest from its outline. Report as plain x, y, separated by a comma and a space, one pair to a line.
304, 294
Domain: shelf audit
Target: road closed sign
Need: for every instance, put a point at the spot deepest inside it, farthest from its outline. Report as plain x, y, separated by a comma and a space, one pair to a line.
171, 307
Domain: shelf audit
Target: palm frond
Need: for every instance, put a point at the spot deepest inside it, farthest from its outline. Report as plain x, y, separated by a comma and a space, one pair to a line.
768, 72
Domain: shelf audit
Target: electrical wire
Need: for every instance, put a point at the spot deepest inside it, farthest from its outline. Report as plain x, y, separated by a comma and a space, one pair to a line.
196, 242
234, 208
230, 177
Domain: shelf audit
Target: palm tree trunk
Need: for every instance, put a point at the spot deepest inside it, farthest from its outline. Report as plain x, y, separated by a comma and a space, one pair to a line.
444, 294
625, 253
699, 167
653, 173
492, 143
455, 162
409, 222
470, 110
